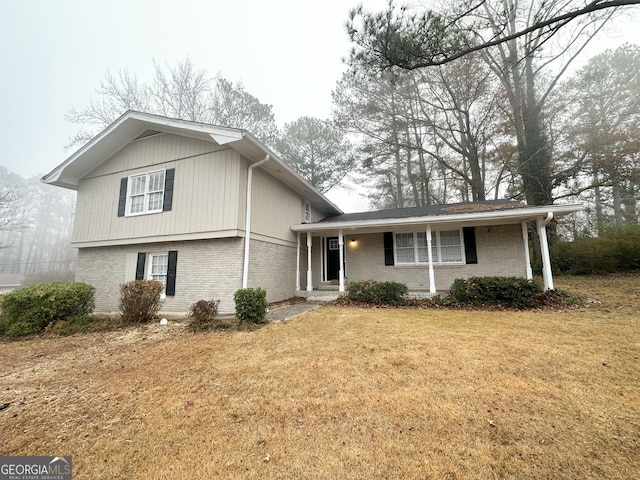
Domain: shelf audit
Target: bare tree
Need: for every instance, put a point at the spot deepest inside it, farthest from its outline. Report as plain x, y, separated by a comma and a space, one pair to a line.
409, 40
602, 155
232, 106
516, 31
117, 94
12, 208
180, 91
318, 151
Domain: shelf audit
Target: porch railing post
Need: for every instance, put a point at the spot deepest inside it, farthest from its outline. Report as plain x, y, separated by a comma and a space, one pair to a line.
298, 265
432, 276
309, 276
341, 260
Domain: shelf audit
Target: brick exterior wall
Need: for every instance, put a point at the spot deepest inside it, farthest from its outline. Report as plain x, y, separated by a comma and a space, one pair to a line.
500, 251
212, 269
206, 269
273, 267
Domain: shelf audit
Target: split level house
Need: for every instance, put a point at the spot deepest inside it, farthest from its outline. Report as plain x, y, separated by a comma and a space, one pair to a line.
207, 210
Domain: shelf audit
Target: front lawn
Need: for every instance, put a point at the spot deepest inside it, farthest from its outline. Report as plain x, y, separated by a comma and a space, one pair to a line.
342, 393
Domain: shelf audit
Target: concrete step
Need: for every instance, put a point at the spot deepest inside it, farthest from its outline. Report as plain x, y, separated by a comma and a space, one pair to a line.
324, 297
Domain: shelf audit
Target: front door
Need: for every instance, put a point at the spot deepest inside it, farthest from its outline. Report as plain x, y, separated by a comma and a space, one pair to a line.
332, 257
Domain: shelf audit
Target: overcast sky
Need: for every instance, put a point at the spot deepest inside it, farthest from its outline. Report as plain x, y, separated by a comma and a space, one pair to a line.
54, 54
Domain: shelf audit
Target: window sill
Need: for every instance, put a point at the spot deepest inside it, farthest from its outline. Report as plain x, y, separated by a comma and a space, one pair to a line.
142, 213
414, 265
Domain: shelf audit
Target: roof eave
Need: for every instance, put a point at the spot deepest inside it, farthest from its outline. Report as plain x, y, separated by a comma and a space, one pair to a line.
522, 214
62, 177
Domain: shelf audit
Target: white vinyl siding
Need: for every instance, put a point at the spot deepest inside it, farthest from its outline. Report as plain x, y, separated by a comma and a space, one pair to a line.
411, 248
145, 193
208, 194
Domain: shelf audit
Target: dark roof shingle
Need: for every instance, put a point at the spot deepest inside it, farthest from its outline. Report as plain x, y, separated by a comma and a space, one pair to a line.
427, 211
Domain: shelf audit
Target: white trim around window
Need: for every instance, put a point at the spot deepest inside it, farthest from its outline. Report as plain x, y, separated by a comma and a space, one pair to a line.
145, 193
447, 248
158, 267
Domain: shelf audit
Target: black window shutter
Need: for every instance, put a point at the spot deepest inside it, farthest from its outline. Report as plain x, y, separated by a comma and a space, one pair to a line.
122, 199
140, 265
171, 273
168, 189
388, 248
470, 253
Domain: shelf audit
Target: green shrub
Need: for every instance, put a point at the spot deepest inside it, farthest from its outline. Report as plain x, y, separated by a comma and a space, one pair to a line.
140, 301
203, 315
618, 250
251, 305
377, 293
31, 309
505, 291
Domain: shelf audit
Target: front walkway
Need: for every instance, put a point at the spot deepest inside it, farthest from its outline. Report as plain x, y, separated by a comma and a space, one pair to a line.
290, 311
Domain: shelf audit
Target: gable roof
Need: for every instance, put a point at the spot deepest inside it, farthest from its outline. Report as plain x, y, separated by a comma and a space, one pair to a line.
485, 212
133, 125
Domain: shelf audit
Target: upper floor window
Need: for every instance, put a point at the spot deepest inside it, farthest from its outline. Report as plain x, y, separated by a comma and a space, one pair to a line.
411, 248
148, 192
145, 193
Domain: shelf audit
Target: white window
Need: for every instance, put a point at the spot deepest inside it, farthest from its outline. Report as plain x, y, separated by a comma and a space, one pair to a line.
405, 248
411, 248
145, 193
450, 246
158, 266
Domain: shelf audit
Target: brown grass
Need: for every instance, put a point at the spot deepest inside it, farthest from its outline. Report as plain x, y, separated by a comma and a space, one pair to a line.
342, 393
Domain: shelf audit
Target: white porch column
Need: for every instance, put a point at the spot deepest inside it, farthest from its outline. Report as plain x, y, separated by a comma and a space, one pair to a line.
309, 276
341, 260
527, 257
432, 277
544, 248
298, 265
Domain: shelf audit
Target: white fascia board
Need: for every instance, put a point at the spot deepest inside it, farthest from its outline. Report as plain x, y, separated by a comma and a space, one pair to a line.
57, 172
130, 120
522, 214
224, 137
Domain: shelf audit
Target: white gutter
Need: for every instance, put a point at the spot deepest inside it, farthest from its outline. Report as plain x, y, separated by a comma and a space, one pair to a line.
247, 222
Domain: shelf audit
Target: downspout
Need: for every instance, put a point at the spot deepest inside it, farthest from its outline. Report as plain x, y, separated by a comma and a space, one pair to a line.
247, 222
547, 274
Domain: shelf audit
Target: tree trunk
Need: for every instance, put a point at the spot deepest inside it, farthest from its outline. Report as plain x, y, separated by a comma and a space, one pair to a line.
617, 203
599, 212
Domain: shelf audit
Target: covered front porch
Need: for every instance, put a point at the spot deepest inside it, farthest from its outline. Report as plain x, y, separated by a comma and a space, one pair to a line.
427, 253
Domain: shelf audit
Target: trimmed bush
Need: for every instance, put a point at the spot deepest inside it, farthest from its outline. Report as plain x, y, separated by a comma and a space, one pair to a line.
505, 291
31, 309
140, 301
251, 305
203, 315
618, 250
377, 293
